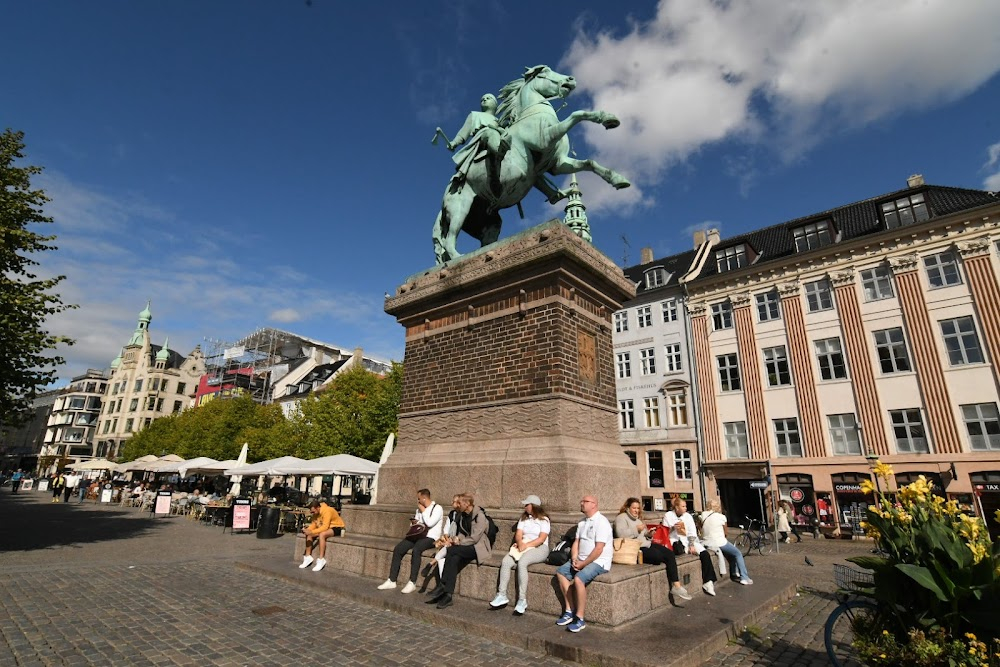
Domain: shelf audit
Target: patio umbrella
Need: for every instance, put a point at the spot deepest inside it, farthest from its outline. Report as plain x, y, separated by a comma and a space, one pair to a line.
386, 451
97, 464
183, 468
238, 479
129, 466
216, 468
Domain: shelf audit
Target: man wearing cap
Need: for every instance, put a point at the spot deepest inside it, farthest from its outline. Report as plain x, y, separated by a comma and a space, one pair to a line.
531, 546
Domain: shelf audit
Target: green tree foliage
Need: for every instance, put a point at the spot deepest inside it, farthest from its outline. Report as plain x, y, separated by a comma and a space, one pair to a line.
26, 362
353, 415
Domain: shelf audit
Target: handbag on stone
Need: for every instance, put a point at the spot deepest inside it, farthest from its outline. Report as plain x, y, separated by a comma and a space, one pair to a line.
626, 551
417, 531
679, 549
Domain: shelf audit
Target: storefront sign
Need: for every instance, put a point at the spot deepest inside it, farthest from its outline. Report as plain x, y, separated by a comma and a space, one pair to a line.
847, 488
808, 510
988, 488
241, 514
162, 505
796, 494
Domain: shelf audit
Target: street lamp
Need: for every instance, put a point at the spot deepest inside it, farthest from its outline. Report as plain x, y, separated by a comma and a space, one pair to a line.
872, 459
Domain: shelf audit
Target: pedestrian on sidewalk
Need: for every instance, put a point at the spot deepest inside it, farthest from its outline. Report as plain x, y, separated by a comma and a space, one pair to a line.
430, 518
784, 517
58, 482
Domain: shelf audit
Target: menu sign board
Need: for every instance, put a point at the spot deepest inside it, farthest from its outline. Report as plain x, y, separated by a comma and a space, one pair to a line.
162, 505
241, 514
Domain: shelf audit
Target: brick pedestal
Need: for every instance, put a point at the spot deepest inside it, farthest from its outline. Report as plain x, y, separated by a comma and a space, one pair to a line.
509, 385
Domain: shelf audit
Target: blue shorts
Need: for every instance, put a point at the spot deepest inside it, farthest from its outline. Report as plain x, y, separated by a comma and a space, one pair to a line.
586, 575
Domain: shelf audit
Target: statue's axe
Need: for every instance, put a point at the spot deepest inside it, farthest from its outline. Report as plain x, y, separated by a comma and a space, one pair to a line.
438, 132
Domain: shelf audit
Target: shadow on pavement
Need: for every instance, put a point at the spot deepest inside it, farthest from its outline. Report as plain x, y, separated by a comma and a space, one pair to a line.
30, 523
779, 650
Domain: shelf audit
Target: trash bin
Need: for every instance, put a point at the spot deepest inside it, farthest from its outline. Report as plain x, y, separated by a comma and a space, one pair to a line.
267, 522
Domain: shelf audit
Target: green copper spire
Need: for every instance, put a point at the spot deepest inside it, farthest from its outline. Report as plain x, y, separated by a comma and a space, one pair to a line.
164, 353
145, 317
576, 212
116, 362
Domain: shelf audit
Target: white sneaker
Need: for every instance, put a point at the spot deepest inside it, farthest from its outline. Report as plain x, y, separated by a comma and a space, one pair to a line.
521, 607
499, 601
747, 581
387, 585
320, 564
306, 562
681, 592
708, 587
408, 588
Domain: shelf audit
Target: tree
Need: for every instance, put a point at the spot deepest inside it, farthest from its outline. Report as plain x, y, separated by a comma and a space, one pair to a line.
353, 415
25, 300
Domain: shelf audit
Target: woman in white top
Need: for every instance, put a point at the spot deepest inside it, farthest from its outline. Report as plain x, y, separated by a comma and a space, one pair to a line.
428, 514
713, 530
684, 530
531, 546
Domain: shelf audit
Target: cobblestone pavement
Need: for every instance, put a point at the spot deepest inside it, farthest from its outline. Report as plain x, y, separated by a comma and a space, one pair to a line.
792, 635
91, 585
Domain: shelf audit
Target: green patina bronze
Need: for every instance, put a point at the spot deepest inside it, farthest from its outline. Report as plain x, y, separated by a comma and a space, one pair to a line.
506, 151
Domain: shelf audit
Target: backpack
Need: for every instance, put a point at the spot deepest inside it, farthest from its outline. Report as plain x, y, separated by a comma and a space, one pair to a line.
491, 528
561, 551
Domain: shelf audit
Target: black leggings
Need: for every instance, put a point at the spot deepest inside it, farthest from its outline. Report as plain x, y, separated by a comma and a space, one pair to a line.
657, 554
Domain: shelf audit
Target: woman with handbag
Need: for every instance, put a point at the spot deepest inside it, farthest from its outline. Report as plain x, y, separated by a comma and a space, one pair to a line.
684, 538
425, 528
531, 546
629, 525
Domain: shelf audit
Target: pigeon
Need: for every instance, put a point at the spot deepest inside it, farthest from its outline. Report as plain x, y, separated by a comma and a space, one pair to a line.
809, 562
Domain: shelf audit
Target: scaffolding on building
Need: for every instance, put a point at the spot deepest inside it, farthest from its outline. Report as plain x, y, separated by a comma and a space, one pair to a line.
244, 367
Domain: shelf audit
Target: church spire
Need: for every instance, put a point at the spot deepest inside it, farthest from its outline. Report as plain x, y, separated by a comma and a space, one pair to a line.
576, 212
142, 326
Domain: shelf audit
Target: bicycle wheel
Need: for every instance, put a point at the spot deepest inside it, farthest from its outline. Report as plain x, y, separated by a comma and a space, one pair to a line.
766, 544
838, 633
743, 544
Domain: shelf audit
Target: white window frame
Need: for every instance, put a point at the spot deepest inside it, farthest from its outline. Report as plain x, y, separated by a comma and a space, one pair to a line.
942, 270
967, 349
621, 321
731, 258
890, 348
682, 465
722, 316
656, 277
904, 428
844, 434
776, 366
905, 211
812, 236
651, 412
677, 411
673, 359
623, 361
768, 306
647, 357
984, 418
669, 309
626, 414
830, 357
728, 366
737, 445
819, 295
644, 314
877, 283
787, 438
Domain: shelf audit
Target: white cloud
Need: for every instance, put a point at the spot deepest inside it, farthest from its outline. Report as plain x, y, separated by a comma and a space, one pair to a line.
992, 182
778, 73
703, 226
285, 315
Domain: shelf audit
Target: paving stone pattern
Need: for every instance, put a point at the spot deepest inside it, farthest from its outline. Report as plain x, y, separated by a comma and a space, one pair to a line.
168, 593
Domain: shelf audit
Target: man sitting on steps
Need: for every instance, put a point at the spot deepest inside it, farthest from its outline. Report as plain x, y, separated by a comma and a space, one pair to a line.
326, 523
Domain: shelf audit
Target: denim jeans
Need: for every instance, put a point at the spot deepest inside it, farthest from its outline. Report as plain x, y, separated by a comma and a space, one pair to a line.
733, 555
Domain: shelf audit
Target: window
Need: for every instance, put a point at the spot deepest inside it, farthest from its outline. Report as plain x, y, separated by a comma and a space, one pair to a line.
812, 236
961, 341
651, 412
645, 316
133, 405
722, 315
128, 425
677, 408
118, 406
767, 306
159, 405
114, 389
626, 415
877, 283
831, 359
146, 421
163, 385
844, 435
181, 387
621, 324
114, 425
819, 296
656, 277
76, 403
654, 460
177, 406
91, 387
672, 354
154, 384
151, 403
682, 464
786, 435
631, 456
729, 372
736, 440
648, 359
942, 270
669, 308
107, 426
776, 366
138, 384
728, 259
905, 211
624, 364
983, 424
891, 349
909, 430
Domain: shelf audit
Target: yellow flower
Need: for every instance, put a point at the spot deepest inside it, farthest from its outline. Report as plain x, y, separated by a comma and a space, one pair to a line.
883, 470
867, 486
978, 551
970, 636
996, 517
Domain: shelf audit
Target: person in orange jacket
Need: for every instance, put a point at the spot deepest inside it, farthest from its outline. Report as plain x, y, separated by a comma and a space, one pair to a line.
326, 523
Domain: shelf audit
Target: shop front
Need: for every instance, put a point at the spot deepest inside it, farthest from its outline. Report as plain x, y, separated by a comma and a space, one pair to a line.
798, 490
850, 503
933, 478
986, 488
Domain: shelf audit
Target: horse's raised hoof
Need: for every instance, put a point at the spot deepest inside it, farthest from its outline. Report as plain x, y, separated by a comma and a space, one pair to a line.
610, 123
621, 184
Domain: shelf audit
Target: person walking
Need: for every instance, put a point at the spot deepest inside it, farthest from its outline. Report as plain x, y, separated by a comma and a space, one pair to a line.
531, 546
58, 482
430, 516
15, 480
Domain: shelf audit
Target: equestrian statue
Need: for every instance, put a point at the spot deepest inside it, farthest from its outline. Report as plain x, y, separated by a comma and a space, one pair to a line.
505, 151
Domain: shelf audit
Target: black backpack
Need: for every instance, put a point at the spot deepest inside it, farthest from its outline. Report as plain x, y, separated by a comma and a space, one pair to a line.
563, 549
491, 528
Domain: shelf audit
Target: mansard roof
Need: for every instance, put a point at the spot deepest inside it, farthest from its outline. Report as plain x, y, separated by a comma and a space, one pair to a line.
675, 266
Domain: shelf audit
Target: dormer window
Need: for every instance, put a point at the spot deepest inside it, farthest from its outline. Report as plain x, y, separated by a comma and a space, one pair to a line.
733, 257
812, 236
905, 211
656, 277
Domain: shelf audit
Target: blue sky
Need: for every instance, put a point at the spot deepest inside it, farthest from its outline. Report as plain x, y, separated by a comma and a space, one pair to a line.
249, 163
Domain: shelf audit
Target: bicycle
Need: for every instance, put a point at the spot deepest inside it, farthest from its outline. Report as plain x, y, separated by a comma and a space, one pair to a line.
838, 632
751, 538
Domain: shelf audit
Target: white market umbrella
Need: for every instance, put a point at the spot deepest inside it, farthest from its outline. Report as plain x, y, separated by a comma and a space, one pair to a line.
97, 464
338, 464
386, 452
129, 466
161, 463
269, 467
217, 468
238, 479
183, 468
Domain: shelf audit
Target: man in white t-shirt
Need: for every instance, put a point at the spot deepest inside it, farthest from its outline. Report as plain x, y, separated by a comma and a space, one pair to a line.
590, 557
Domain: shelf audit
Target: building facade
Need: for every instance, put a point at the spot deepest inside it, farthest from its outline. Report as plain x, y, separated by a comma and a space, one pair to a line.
72, 423
147, 381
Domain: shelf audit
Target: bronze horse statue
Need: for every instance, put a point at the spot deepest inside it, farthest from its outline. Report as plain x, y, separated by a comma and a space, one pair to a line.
537, 145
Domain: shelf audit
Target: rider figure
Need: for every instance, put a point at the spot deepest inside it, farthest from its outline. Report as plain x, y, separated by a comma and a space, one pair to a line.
483, 137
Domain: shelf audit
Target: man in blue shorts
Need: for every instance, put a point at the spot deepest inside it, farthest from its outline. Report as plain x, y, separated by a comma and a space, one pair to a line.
589, 558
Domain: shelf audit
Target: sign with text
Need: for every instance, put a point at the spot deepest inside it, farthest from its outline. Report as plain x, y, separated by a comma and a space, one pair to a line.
241, 514
797, 495
43, 485
758, 484
106, 495
162, 505
26, 485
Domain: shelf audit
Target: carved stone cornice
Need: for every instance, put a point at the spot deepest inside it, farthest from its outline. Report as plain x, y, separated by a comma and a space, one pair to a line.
904, 263
841, 278
740, 299
790, 289
697, 309
974, 247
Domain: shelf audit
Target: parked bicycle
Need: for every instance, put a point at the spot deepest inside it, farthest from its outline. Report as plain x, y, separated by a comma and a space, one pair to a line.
838, 633
754, 538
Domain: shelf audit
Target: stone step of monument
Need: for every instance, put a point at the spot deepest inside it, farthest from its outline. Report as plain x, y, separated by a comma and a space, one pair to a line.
626, 593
